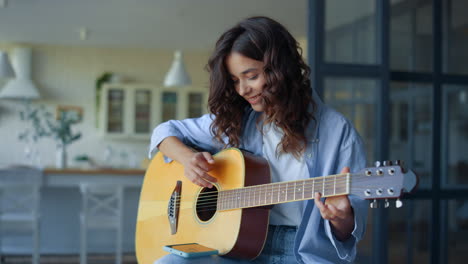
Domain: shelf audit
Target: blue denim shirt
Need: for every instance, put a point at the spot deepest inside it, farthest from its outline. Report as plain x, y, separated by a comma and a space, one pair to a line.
333, 144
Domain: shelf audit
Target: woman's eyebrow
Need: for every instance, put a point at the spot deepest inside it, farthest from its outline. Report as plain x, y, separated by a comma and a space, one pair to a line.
248, 70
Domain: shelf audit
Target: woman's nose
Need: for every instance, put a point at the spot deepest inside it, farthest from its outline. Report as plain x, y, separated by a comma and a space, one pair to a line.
243, 88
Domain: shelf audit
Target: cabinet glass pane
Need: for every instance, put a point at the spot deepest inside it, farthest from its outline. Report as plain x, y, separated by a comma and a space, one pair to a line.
411, 36
409, 232
455, 135
355, 99
169, 106
457, 231
411, 128
115, 111
350, 31
142, 111
195, 107
455, 36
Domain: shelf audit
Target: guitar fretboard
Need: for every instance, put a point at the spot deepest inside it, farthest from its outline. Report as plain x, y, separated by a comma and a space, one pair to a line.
283, 192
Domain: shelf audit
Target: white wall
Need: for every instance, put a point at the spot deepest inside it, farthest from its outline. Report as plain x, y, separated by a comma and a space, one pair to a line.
66, 75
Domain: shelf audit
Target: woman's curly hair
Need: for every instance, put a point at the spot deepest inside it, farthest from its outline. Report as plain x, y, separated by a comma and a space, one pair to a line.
287, 94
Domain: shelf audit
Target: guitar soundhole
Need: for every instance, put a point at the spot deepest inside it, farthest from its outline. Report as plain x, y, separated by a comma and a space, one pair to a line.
206, 203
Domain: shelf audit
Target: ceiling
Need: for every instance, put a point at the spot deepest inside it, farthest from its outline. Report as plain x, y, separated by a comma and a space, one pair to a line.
159, 24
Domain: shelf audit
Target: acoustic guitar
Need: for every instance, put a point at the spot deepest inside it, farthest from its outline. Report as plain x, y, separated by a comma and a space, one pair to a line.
232, 216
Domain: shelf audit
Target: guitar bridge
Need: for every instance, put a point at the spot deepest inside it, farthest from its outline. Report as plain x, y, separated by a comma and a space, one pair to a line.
173, 207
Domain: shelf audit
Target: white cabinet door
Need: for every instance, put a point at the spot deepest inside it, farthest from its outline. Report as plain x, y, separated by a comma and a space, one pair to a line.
133, 110
141, 116
113, 111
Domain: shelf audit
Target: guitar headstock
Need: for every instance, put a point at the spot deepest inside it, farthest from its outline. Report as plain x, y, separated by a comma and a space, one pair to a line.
384, 181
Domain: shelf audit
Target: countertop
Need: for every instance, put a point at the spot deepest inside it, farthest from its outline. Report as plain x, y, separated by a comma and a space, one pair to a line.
128, 172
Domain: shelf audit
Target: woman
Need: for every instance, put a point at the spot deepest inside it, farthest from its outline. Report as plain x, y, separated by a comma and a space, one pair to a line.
261, 101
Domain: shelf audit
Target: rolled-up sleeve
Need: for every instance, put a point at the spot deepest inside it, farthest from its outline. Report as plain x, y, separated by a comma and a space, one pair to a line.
352, 156
194, 132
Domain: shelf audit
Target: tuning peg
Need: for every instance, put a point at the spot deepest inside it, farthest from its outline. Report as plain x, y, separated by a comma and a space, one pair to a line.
377, 164
401, 164
374, 204
386, 204
398, 203
387, 163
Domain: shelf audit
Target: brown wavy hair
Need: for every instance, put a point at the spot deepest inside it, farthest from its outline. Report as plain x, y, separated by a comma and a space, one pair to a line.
287, 94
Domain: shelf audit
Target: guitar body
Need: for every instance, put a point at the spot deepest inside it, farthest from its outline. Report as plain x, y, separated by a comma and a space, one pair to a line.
239, 233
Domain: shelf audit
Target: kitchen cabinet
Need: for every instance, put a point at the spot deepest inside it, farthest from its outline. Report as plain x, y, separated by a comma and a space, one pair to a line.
133, 110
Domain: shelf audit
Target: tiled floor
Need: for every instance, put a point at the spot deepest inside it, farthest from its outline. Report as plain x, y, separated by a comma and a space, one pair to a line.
69, 259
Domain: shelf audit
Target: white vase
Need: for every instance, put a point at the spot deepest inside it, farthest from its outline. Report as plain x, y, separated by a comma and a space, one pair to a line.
61, 156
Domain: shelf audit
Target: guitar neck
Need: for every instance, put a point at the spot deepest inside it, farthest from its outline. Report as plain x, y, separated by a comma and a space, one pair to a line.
283, 192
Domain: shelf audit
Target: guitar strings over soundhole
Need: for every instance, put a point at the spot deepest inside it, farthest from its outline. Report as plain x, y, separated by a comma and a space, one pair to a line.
206, 203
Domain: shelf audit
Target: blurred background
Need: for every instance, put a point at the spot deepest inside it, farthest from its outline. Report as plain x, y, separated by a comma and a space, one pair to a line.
96, 76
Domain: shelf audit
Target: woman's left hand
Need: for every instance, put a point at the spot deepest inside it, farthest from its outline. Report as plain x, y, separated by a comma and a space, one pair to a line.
339, 212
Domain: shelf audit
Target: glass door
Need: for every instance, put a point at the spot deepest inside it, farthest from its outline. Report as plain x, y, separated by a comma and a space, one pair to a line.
142, 107
115, 110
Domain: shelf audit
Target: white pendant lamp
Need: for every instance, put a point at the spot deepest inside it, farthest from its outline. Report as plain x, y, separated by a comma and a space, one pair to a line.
177, 75
6, 71
22, 87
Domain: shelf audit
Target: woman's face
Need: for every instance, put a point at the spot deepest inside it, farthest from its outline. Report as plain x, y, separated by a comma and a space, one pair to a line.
249, 79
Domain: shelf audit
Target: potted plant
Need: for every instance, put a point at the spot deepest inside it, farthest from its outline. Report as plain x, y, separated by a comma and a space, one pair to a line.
61, 130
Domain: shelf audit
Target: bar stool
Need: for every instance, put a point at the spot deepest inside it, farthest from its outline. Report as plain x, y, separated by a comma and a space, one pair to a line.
19, 206
102, 208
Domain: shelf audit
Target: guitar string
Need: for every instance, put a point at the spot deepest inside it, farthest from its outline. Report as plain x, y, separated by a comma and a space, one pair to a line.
318, 180
230, 195
214, 206
234, 205
261, 189
236, 202
265, 198
280, 185
234, 199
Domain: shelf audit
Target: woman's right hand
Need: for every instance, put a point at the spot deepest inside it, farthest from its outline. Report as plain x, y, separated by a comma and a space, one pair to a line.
197, 167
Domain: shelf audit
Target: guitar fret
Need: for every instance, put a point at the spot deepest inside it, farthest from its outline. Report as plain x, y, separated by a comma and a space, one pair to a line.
233, 199
240, 197
305, 193
313, 187
279, 192
289, 194
297, 191
271, 194
348, 179
283, 192
323, 188
226, 200
294, 192
244, 195
274, 193
334, 185
303, 188
258, 195
221, 201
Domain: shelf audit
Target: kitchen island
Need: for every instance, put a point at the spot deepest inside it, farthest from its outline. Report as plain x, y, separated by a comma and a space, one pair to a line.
60, 212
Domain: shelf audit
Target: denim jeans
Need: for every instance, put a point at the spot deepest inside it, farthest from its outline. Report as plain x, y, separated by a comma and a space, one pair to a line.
279, 249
